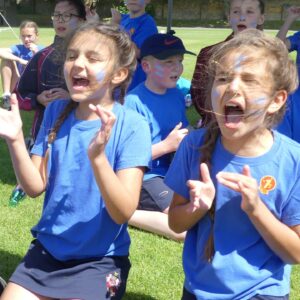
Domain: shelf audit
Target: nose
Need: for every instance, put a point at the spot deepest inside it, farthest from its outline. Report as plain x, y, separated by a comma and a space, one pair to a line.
79, 62
234, 86
242, 17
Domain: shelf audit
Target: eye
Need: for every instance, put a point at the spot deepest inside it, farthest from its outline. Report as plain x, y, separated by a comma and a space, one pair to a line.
70, 56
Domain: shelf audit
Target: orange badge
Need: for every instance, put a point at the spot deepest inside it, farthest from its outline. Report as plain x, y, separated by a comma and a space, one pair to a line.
267, 184
131, 31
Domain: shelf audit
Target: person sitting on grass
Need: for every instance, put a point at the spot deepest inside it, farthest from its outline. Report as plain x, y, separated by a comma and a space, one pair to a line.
162, 104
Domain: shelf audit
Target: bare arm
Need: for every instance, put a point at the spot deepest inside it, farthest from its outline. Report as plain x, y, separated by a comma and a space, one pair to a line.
293, 15
184, 214
120, 190
5, 53
170, 143
282, 239
31, 174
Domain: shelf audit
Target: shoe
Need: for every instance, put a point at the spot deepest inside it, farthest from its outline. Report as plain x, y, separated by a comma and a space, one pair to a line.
6, 101
16, 196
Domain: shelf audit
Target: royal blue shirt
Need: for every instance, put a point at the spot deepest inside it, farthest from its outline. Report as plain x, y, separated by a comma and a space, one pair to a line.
243, 264
75, 223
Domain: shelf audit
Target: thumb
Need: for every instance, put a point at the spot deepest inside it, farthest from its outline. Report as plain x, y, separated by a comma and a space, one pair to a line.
204, 171
246, 171
178, 126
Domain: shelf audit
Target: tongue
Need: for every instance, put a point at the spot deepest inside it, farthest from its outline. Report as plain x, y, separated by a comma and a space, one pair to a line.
81, 82
233, 118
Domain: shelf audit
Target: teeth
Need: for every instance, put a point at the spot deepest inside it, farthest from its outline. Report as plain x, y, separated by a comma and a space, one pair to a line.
231, 105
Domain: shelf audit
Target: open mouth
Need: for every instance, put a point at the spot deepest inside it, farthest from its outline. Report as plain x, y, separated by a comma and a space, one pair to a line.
80, 82
234, 114
241, 27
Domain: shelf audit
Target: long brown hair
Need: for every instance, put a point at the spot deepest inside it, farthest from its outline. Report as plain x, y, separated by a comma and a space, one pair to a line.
280, 71
125, 58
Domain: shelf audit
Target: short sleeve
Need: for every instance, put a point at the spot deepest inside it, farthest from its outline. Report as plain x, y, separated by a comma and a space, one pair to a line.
15, 50
295, 41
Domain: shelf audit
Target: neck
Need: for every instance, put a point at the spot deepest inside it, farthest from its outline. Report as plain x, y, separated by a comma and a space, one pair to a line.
154, 87
251, 145
83, 112
136, 14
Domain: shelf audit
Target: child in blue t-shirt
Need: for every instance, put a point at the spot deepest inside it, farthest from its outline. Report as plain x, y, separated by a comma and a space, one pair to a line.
162, 104
14, 59
291, 124
237, 182
139, 25
89, 158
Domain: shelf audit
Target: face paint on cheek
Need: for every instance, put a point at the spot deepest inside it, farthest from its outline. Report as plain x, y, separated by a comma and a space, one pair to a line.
253, 24
233, 24
215, 96
73, 23
159, 71
142, 2
259, 106
100, 76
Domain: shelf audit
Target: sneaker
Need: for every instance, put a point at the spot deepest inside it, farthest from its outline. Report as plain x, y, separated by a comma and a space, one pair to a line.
16, 196
6, 101
2, 285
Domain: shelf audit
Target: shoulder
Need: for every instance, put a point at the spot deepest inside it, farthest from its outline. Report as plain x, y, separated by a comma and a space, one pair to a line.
288, 147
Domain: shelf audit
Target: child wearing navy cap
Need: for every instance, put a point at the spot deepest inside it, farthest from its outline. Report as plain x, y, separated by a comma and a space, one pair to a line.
162, 104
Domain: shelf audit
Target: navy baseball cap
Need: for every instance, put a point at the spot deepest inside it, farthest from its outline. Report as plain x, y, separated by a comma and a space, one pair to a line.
162, 46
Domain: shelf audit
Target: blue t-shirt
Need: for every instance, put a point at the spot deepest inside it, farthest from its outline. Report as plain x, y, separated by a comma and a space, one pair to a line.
138, 29
75, 223
290, 125
22, 52
243, 264
163, 113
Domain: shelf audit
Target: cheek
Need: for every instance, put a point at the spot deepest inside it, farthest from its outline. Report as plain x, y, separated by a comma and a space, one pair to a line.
233, 22
159, 71
73, 24
253, 24
66, 71
142, 2
100, 75
215, 96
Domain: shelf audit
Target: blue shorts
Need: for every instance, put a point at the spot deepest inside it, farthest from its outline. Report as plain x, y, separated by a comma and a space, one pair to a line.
155, 195
88, 279
186, 295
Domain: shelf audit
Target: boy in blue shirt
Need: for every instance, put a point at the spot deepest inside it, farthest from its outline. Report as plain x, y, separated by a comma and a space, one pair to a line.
162, 104
139, 25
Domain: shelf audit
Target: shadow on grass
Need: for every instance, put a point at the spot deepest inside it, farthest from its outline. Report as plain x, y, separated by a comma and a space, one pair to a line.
8, 263
137, 296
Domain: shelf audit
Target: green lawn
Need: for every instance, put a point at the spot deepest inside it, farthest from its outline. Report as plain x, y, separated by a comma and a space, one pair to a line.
156, 262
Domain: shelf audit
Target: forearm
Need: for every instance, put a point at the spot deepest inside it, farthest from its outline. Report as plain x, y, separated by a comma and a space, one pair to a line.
120, 199
282, 33
182, 217
27, 173
280, 238
161, 149
9, 56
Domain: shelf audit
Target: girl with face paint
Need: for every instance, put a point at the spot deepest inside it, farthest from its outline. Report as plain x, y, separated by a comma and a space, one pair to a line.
236, 183
242, 14
89, 159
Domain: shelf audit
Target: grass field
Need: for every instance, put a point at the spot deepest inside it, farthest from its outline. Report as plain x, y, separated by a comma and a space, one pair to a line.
156, 272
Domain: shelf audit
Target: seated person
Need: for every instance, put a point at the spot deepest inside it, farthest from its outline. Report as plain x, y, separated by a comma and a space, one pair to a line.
162, 104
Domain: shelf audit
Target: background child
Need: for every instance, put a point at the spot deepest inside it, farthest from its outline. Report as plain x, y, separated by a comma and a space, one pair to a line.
14, 59
89, 157
241, 213
139, 25
42, 80
290, 124
242, 14
162, 104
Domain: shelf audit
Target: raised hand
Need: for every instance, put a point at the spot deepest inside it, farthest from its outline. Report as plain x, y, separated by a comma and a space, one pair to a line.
98, 143
293, 12
115, 16
245, 184
202, 192
175, 137
10, 121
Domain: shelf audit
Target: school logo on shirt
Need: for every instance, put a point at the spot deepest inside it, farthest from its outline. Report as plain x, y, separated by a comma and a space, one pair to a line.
267, 184
131, 31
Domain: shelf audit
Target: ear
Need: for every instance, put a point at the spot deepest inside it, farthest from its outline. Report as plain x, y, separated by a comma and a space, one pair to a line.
119, 76
261, 20
146, 65
277, 102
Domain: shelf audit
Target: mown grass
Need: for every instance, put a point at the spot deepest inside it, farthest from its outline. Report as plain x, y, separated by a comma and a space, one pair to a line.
156, 272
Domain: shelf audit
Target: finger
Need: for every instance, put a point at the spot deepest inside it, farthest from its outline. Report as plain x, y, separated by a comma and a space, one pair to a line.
230, 184
246, 171
184, 131
204, 171
178, 126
